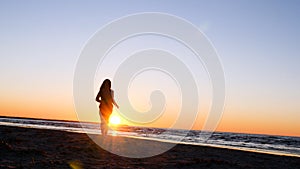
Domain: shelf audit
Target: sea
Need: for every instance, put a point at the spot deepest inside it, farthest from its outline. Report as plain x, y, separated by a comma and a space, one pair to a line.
270, 144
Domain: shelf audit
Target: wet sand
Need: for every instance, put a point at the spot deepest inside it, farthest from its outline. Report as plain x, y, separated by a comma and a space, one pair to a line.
37, 148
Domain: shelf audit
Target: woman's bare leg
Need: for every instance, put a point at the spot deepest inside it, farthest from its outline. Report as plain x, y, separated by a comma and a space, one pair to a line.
103, 125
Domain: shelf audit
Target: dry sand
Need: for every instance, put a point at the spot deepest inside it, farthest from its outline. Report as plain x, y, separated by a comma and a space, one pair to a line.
37, 148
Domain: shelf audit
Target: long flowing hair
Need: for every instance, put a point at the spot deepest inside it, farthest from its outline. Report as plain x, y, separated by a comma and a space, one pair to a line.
105, 91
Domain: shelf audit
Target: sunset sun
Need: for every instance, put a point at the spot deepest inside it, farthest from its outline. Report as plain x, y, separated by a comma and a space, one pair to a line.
114, 120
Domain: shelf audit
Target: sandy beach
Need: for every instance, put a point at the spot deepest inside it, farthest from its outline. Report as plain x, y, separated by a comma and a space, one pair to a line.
37, 148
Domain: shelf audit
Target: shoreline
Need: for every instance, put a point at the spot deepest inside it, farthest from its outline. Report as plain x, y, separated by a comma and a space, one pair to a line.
37, 148
215, 146
93, 122
161, 140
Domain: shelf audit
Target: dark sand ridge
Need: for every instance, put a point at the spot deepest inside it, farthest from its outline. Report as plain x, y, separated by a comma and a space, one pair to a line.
37, 148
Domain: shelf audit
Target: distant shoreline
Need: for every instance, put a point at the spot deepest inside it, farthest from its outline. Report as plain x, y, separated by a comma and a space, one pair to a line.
29, 118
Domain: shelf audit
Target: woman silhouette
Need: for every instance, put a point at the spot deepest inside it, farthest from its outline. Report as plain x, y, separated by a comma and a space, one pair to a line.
106, 104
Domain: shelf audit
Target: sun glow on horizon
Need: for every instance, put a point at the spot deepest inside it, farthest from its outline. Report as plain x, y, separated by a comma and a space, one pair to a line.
114, 120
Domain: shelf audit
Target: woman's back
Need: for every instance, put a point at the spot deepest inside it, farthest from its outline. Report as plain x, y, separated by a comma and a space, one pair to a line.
105, 95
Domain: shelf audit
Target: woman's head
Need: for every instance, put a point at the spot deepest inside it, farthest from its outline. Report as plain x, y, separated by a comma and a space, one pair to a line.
106, 84
105, 89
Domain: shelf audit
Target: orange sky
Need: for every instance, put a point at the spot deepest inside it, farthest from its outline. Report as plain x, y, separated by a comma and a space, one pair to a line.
243, 121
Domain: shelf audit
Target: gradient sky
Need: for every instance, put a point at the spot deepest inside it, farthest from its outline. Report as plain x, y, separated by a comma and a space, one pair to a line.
257, 41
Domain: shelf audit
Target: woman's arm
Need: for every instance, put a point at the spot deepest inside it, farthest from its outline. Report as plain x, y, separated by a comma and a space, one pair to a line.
98, 96
113, 99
